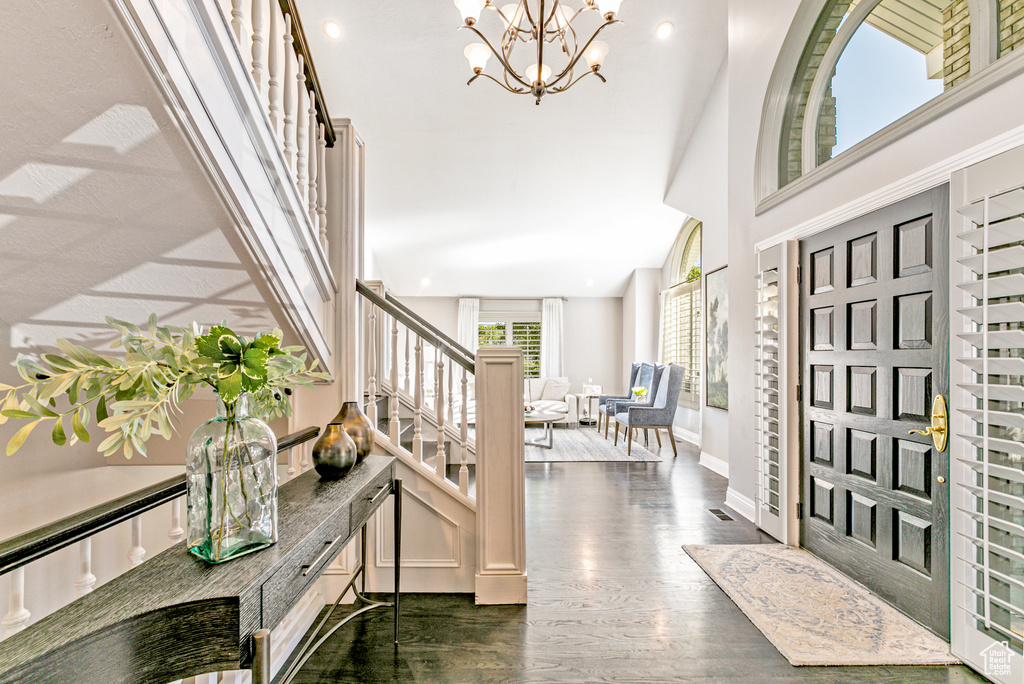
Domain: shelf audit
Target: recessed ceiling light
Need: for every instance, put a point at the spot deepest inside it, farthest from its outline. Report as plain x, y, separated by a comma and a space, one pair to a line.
664, 29
333, 30
589, 282
425, 282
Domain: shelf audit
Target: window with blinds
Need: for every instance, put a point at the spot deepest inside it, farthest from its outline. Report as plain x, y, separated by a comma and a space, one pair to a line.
514, 332
681, 333
988, 505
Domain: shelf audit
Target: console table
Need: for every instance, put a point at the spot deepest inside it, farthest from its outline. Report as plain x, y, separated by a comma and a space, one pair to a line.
175, 616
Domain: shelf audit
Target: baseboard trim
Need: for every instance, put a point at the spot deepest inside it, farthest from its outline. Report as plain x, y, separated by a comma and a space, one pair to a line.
686, 435
743, 505
714, 464
500, 590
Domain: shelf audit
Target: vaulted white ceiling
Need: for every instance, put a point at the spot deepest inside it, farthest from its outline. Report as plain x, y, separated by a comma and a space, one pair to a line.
481, 192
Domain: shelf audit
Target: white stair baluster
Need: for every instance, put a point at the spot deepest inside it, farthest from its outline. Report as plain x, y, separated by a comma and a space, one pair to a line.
301, 131
85, 580
274, 47
321, 198
394, 427
289, 94
136, 553
257, 43
371, 383
305, 458
405, 384
464, 436
439, 461
451, 396
176, 533
290, 473
237, 17
417, 414
17, 615
314, 164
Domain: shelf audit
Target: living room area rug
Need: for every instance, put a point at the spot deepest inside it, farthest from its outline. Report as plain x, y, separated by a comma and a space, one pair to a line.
812, 613
585, 445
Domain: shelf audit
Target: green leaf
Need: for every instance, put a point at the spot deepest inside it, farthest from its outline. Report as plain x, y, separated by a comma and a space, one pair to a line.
59, 438
38, 407
77, 423
230, 387
101, 409
153, 323
18, 413
266, 342
230, 345
20, 436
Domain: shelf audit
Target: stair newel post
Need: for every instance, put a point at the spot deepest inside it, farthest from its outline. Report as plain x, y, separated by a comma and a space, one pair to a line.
176, 533
394, 427
464, 435
289, 94
321, 198
17, 616
136, 554
314, 164
439, 461
273, 64
257, 43
301, 130
85, 580
371, 371
237, 16
417, 419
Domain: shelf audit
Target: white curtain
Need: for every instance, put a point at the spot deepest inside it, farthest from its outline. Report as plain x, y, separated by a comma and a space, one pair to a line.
552, 340
469, 321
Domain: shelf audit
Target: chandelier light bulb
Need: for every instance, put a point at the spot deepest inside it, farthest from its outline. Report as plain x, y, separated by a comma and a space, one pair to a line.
531, 73
477, 54
562, 16
470, 10
512, 15
595, 54
608, 8
332, 29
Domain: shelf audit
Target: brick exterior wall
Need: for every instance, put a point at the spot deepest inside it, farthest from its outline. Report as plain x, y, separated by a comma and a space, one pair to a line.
1011, 25
956, 35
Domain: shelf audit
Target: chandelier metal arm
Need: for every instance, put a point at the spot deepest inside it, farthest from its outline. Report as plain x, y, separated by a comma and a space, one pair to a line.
517, 91
576, 57
508, 67
562, 89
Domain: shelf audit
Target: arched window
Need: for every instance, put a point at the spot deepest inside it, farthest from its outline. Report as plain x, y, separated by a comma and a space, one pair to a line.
680, 312
850, 69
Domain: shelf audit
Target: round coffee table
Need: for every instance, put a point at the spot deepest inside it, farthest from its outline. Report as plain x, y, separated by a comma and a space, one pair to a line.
547, 420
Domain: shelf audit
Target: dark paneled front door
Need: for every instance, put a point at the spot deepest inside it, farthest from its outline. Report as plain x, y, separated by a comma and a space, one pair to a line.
874, 310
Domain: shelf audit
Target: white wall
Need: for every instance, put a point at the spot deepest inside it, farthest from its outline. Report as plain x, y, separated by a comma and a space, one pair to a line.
700, 188
593, 332
640, 314
756, 33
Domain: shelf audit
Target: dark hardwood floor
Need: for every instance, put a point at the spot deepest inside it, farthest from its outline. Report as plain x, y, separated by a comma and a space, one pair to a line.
612, 597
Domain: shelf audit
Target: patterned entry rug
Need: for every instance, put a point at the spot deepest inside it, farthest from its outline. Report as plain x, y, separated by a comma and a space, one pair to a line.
583, 445
814, 614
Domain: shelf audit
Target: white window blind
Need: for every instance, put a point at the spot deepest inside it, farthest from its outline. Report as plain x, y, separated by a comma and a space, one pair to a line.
513, 330
988, 498
681, 335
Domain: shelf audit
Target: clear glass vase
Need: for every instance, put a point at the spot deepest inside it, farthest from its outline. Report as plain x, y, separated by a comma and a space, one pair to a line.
232, 484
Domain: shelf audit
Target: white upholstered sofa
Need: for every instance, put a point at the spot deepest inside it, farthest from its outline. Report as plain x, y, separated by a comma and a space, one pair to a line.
551, 395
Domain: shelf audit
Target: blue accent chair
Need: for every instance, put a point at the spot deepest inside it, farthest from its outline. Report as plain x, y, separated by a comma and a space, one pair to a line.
659, 414
603, 399
644, 378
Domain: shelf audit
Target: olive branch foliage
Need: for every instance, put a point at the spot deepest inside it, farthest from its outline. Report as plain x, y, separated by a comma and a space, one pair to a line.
133, 397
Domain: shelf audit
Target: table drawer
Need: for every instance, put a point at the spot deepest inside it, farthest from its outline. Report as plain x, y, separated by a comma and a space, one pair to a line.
288, 584
370, 499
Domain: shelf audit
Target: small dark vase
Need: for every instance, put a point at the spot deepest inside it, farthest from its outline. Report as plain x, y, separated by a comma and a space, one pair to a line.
334, 453
358, 427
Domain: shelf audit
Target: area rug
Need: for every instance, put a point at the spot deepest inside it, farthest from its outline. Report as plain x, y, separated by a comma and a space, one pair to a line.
813, 614
582, 445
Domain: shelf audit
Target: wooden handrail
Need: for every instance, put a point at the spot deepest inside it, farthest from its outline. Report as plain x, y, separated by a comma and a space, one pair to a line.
414, 322
312, 82
42, 541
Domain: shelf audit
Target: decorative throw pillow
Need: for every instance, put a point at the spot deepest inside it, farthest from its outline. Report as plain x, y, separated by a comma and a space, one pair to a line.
555, 389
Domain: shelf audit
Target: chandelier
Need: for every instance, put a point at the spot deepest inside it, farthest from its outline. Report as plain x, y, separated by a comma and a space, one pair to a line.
543, 27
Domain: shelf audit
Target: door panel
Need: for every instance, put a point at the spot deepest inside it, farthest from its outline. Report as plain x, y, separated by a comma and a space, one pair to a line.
874, 307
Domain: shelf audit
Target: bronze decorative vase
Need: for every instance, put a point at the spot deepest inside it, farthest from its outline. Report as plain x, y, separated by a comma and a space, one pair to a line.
334, 453
358, 427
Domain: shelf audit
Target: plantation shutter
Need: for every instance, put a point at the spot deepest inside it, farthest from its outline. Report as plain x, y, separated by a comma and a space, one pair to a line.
490, 334
681, 330
526, 336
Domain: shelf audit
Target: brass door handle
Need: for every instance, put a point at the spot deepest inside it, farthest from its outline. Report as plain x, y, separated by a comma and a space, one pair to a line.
940, 423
